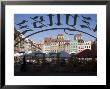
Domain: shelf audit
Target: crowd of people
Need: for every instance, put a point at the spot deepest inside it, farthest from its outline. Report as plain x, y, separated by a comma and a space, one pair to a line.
55, 64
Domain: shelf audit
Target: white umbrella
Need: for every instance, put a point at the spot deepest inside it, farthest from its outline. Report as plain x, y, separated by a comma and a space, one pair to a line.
16, 54
29, 52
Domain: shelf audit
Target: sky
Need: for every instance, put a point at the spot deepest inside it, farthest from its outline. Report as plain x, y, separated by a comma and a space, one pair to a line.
53, 33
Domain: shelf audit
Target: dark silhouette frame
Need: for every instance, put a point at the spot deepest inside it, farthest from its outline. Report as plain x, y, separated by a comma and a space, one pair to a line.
4, 3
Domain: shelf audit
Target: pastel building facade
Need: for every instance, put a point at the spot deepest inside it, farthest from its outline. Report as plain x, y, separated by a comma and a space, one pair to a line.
67, 47
61, 42
46, 45
58, 44
54, 46
82, 45
73, 45
87, 45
